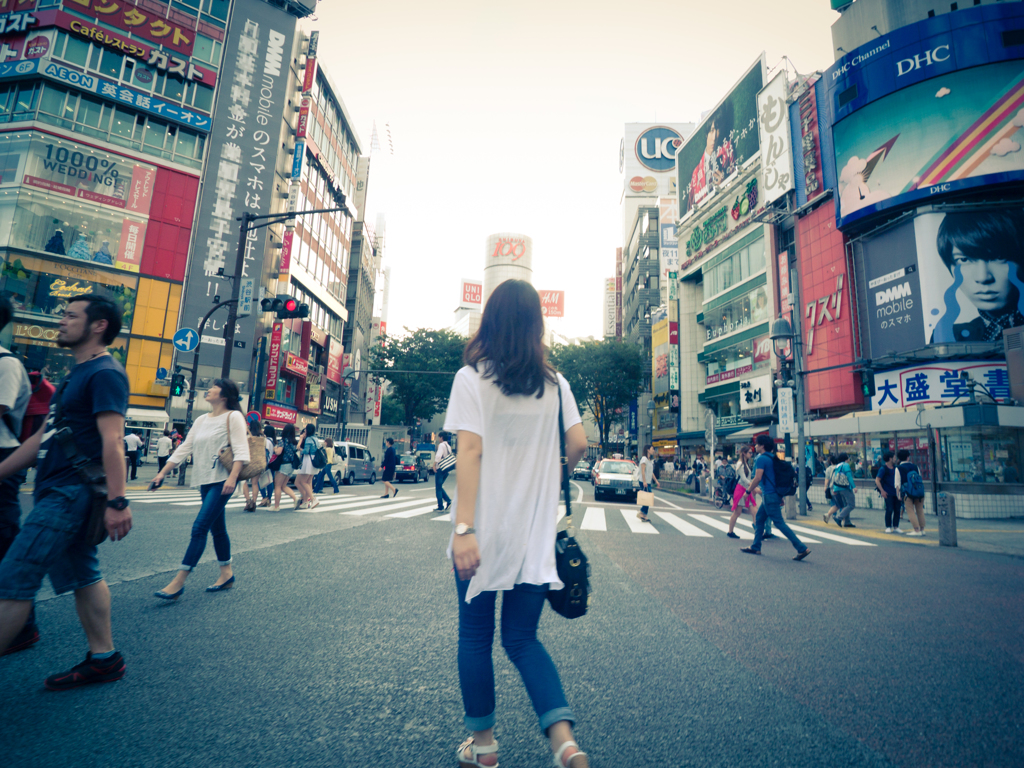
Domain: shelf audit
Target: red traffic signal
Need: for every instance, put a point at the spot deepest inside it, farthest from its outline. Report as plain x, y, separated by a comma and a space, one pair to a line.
291, 305
286, 307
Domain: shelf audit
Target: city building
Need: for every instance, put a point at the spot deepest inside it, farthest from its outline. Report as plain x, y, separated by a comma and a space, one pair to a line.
924, 124
725, 275
507, 256
106, 111
470, 309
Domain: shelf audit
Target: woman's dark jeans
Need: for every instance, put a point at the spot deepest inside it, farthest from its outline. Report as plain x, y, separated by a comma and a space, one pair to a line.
443, 498
209, 520
520, 612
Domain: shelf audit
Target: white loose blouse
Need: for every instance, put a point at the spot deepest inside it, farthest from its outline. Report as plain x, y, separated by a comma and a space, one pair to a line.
516, 510
204, 442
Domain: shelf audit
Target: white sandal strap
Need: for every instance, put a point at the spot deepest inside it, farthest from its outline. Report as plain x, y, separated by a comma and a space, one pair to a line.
561, 751
476, 750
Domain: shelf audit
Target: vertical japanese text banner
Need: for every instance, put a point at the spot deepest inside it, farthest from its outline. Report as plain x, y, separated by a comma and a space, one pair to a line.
240, 169
776, 139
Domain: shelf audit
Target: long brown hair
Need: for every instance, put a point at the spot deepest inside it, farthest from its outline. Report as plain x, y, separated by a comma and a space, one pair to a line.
511, 341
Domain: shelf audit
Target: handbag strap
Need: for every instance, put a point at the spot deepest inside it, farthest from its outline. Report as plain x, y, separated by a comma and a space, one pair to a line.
563, 458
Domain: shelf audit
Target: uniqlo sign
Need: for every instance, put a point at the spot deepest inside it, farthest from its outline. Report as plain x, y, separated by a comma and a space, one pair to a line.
472, 294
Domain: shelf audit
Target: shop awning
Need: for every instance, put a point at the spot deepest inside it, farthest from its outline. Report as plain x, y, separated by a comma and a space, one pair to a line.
146, 418
746, 435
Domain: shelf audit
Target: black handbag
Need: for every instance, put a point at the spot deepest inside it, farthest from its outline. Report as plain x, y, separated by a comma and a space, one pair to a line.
573, 599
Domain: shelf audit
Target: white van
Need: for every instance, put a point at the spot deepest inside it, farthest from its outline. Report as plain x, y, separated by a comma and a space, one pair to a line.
354, 463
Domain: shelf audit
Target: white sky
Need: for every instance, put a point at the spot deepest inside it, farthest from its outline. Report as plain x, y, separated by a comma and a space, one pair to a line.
508, 116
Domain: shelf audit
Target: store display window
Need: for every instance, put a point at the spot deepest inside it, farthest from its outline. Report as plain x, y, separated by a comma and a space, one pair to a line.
730, 362
981, 455
732, 270
741, 312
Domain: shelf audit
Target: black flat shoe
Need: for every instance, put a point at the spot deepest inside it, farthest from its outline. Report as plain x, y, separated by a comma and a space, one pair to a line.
396, 493
221, 587
438, 509
169, 595
750, 551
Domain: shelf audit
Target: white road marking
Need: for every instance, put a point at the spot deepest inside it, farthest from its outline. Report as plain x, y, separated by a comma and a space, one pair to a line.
635, 524
708, 520
804, 539
832, 537
446, 517
412, 512
659, 498
594, 520
685, 528
382, 507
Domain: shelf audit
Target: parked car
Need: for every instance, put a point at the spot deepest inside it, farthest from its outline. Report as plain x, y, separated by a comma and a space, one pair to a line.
411, 466
615, 479
581, 471
354, 463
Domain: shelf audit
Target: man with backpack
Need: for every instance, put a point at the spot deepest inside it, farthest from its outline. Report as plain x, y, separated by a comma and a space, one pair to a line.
15, 393
776, 478
911, 488
840, 481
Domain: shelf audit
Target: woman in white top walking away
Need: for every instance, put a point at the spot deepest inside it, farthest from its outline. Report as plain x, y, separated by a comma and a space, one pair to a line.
224, 425
646, 470
504, 407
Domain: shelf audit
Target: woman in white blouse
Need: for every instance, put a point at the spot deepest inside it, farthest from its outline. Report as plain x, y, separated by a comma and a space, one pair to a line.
224, 425
504, 406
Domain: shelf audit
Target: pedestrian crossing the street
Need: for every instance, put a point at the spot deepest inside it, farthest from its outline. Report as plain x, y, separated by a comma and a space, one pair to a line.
419, 503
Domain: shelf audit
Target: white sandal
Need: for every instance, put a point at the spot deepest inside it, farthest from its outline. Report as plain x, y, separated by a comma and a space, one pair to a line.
561, 751
476, 751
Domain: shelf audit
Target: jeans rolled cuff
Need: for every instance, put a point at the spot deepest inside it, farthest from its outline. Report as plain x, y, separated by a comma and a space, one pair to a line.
553, 716
479, 723
225, 562
184, 567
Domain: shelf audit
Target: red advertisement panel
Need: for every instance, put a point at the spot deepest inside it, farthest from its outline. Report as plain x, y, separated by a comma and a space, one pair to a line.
295, 364
673, 333
309, 76
140, 193
784, 301
133, 236
131, 18
334, 358
279, 413
472, 292
273, 360
811, 144
762, 349
11, 6
303, 123
286, 253
552, 303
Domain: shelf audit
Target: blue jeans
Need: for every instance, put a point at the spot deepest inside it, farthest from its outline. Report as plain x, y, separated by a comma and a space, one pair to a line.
324, 474
520, 612
50, 543
771, 509
209, 520
442, 497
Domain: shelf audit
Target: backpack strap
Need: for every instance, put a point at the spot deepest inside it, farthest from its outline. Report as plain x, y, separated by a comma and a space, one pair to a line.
563, 458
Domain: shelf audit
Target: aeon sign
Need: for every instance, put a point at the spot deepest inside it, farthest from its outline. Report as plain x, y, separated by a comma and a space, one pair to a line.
656, 148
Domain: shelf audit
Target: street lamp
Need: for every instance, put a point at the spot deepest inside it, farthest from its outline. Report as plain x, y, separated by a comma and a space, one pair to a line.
786, 345
650, 423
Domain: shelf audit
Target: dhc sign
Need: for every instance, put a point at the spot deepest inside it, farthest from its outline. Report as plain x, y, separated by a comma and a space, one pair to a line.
656, 148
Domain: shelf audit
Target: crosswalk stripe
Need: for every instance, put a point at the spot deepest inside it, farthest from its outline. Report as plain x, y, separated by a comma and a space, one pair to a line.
833, 537
381, 507
412, 512
708, 520
805, 539
445, 518
635, 524
666, 501
594, 520
687, 529
336, 497
150, 498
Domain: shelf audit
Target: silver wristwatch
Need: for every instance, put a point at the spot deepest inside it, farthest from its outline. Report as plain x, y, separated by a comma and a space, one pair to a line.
462, 529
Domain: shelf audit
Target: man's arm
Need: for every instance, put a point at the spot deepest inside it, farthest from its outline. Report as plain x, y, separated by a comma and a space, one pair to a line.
756, 481
878, 484
25, 456
111, 428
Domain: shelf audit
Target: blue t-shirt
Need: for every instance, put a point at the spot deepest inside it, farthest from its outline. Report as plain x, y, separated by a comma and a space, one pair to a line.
764, 462
93, 387
887, 478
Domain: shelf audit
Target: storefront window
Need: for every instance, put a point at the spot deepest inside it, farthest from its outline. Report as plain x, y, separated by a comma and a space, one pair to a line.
734, 269
981, 455
750, 308
730, 362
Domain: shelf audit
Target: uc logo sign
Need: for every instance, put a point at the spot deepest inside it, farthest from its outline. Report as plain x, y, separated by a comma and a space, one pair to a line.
656, 148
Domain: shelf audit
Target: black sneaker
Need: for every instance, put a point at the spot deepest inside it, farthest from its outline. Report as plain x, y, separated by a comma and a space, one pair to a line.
769, 536
26, 638
89, 671
849, 525
732, 535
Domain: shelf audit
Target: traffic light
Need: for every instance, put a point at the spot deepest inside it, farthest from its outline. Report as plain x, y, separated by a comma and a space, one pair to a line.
867, 383
178, 385
285, 307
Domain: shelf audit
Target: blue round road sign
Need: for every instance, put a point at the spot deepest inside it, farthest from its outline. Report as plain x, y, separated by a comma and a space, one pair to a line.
186, 339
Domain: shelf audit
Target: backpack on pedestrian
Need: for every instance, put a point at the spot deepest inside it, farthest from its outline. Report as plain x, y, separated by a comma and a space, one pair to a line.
913, 485
785, 477
839, 477
728, 478
320, 458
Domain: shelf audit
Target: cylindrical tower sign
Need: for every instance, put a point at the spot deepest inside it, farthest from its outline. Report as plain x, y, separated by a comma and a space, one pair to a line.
509, 257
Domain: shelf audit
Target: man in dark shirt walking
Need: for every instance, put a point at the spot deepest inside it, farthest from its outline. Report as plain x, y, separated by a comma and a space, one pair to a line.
390, 462
771, 502
93, 400
885, 481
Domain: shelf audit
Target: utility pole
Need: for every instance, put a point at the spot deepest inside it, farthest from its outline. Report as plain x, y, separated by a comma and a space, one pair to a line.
798, 371
236, 283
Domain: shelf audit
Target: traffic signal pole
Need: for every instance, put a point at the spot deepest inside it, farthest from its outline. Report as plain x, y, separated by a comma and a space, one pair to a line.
236, 284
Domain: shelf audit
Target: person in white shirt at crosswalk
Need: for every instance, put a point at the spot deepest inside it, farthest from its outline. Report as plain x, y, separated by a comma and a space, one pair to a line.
164, 446
222, 427
504, 407
646, 478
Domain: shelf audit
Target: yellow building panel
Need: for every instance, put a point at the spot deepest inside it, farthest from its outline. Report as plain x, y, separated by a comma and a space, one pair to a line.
151, 402
173, 306
141, 302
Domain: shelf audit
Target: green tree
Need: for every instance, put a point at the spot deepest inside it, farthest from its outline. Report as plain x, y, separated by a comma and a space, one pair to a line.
437, 353
604, 376
392, 413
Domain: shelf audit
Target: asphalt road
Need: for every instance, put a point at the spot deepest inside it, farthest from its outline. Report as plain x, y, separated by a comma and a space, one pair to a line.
337, 648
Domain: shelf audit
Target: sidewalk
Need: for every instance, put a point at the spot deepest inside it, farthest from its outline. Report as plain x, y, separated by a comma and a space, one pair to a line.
997, 536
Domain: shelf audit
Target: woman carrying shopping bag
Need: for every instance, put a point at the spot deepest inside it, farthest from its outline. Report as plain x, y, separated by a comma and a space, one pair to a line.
504, 407
223, 427
645, 497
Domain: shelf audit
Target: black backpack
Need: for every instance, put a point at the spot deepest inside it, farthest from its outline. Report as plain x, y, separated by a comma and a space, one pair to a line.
785, 477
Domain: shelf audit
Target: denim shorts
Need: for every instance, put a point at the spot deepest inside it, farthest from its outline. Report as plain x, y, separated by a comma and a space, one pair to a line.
51, 542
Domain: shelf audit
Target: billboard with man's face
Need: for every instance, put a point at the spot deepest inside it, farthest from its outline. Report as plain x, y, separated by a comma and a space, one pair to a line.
720, 145
943, 278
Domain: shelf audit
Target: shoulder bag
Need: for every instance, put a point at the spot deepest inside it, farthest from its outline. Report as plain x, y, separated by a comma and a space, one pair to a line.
91, 475
572, 599
257, 455
448, 462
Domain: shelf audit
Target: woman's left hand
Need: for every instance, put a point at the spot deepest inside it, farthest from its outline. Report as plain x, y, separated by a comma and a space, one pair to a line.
229, 487
466, 555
